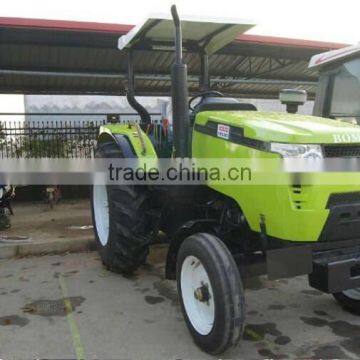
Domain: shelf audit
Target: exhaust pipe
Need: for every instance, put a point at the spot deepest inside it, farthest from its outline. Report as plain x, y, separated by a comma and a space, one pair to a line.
179, 94
130, 92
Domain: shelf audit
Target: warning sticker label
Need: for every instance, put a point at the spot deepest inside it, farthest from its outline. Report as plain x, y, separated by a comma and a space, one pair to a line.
223, 131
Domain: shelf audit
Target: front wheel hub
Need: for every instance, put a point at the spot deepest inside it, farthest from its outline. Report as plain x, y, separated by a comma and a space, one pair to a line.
197, 295
202, 293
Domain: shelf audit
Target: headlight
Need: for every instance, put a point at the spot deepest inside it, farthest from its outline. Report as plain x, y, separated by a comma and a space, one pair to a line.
301, 151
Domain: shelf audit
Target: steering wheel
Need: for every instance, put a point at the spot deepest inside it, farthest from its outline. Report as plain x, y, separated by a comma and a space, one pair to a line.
202, 95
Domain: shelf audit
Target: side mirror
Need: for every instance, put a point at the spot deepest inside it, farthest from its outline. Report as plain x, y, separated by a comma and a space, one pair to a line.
292, 99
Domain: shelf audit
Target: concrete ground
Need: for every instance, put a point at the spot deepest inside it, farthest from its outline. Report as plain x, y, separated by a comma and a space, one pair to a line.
67, 227
70, 306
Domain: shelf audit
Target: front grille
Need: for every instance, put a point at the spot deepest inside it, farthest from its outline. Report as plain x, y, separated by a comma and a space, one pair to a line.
341, 151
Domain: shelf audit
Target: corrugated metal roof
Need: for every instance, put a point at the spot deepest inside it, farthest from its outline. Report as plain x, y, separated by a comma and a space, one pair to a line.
44, 56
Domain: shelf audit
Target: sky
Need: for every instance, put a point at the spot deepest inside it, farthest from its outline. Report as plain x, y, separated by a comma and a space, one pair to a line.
326, 20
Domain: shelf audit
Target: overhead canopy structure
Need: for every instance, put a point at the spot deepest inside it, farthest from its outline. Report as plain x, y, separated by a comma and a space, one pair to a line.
198, 34
334, 56
62, 57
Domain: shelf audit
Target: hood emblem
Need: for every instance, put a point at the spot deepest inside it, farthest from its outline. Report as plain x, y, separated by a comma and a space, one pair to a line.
346, 138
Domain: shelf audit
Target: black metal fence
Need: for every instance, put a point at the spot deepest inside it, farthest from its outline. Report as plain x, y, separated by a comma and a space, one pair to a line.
48, 139
53, 139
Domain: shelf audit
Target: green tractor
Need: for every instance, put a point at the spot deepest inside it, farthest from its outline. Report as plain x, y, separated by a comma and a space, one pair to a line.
221, 233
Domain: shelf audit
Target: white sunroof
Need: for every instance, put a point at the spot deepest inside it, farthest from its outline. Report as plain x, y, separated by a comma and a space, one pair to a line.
211, 33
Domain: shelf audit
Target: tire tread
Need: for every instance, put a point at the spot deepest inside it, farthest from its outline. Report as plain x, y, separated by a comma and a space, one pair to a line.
131, 227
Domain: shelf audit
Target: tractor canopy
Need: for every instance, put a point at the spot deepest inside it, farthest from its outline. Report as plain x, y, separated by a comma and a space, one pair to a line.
165, 33
207, 34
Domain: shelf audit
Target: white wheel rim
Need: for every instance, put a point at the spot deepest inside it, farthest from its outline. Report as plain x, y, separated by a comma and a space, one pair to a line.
194, 277
353, 294
101, 212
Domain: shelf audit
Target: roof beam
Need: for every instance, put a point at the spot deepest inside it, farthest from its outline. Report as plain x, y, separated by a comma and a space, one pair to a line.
67, 39
120, 73
117, 76
71, 74
145, 91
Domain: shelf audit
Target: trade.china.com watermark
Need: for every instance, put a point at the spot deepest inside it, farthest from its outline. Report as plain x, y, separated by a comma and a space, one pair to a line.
189, 171
178, 173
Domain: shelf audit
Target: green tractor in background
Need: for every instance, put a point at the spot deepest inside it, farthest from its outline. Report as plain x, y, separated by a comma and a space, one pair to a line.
220, 233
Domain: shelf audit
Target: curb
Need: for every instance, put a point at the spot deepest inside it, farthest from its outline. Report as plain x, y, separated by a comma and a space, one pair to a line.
62, 246
47, 248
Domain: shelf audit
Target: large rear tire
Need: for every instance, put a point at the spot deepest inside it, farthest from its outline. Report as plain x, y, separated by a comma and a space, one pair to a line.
122, 220
211, 293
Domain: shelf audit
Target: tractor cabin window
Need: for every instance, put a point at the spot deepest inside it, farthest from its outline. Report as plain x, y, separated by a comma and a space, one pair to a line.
345, 102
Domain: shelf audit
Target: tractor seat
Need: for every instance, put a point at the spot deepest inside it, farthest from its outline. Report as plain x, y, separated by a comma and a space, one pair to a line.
223, 104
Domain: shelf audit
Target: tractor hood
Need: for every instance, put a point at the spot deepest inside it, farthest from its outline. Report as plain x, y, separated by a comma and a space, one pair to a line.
284, 127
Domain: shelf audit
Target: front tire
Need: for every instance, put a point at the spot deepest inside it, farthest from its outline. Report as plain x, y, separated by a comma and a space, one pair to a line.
211, 293
349, 300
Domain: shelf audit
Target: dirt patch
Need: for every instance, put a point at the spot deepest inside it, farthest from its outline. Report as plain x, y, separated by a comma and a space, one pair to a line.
14, 320
282, 340
257, 332
65, 274
166, 289
276, 307
312, 292
352, 345
153, 300
259, 283
314, 321
329, 352
255, 283
268, 354
53, 307
339, 327
320, 313
344, 329
6, 276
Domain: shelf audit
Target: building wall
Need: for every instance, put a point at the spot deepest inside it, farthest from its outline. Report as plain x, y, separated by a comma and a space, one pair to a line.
112, 104
12, 104
50, 104
275, 105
